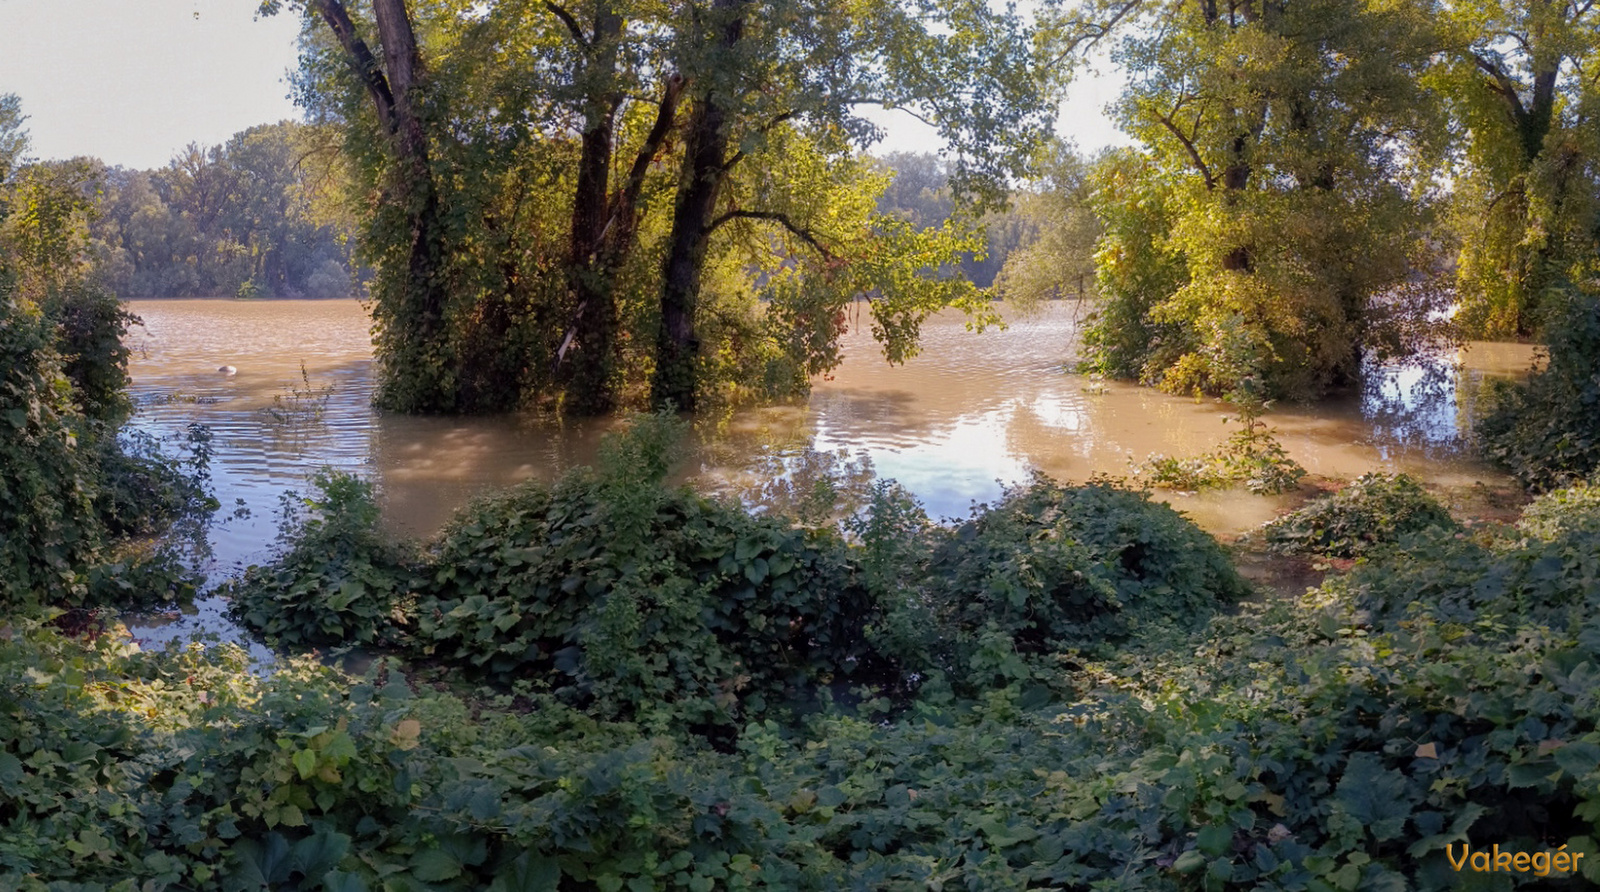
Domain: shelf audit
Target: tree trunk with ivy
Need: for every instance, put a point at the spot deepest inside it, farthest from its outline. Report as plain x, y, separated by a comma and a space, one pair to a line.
419, 368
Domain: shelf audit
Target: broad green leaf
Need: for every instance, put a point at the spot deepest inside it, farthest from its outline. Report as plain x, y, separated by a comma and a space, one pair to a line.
433, 865
1374, 796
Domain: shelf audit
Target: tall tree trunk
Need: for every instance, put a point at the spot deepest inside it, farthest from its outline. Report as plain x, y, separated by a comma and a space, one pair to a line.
589, 264
414, 332
424, 299
1235, 178
699, 183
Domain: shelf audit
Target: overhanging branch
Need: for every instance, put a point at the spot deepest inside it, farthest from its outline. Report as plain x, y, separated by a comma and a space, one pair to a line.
776, 217
571, 23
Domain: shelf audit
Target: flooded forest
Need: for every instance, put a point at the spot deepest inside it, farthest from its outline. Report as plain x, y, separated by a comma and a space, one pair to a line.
577, 455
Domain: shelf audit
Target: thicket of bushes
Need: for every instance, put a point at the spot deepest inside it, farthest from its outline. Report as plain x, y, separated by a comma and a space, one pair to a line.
72, 491
633, 600
1546, 430
1441, 692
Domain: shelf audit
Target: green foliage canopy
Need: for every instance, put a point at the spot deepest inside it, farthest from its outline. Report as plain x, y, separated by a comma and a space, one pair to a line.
599, 207
1289, 147
1520, 88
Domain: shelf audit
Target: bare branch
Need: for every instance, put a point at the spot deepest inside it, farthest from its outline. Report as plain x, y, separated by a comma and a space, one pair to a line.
361, 59
1188, 144
776, 217
1092, 32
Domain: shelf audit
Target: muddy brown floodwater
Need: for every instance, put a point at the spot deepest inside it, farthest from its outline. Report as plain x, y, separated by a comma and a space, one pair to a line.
971, 411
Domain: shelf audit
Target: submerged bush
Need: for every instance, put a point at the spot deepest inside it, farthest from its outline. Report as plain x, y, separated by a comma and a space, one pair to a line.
1251, 456
1375, 510
144, 490
643, 596
1049, 568
615, 592
1546, 430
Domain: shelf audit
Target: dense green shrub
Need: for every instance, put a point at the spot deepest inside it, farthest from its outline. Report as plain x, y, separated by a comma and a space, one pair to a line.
635, 600
1560, 510
1546, 430
48, 480
90, 328
1050, 567
69, 495
614, 591
631, 596
341, 580
1375, 510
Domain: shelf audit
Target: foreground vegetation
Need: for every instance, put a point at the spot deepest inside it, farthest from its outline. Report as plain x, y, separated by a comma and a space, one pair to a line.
612, 684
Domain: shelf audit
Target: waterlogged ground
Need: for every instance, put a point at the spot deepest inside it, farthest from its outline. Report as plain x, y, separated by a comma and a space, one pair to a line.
972, 411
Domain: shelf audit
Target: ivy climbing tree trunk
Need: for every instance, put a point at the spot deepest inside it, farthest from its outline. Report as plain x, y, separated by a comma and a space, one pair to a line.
411, 302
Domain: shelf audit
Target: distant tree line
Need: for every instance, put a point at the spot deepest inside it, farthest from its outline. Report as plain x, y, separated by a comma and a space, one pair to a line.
256, 216
920, 193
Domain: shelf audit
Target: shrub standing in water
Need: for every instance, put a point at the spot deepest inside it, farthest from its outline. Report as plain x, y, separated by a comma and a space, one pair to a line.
340, 581
1050, 568
1546, 430
631, 599
1376, 510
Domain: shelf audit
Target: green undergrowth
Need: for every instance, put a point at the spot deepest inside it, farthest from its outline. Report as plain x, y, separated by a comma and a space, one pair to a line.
1373, 511
632, 600
1545, 430
1446, 691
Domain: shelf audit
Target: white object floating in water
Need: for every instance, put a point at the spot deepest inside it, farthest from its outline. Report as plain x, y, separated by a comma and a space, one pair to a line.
228, 370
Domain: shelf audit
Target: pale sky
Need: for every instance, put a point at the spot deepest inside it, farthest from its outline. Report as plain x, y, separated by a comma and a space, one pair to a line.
134, 81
